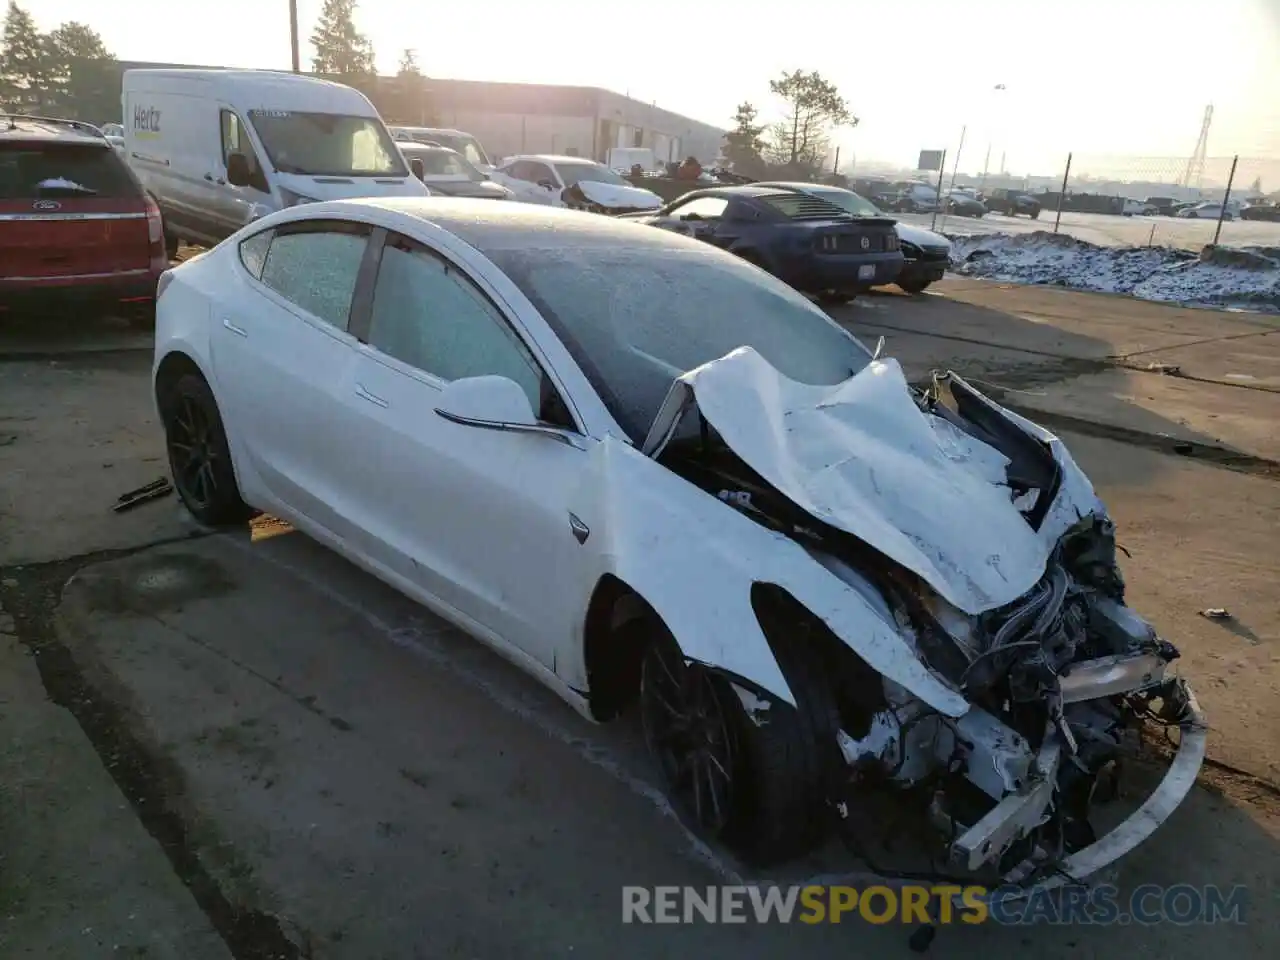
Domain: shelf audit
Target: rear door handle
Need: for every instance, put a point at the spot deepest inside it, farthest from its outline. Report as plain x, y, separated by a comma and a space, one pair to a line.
364, 394
238, 331
219, 181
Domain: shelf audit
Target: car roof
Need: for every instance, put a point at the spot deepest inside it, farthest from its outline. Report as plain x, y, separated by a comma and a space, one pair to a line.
417, 146
447, 131
552, 158
487, 225
744, 190
27, 128
797, 185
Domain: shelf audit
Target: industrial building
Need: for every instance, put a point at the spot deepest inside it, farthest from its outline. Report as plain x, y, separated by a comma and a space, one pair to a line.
508, 118
511, 118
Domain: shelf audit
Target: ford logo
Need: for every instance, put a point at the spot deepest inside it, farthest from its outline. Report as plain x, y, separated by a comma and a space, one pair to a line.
866, 243
46, 205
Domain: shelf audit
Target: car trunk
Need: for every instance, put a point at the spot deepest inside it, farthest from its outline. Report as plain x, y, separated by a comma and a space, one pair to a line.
861, 235
70, 211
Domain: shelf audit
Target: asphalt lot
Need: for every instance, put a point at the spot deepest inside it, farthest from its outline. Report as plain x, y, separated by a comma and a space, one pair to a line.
229, 746
1110, 231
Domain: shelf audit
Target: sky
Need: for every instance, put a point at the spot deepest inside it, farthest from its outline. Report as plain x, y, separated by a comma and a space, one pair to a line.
1098, 77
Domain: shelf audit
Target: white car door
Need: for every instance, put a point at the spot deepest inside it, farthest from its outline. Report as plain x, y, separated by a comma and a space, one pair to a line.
280, 351
479, 519
529, 180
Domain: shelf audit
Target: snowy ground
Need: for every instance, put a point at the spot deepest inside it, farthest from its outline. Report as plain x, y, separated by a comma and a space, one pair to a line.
1238, 277
1110, 231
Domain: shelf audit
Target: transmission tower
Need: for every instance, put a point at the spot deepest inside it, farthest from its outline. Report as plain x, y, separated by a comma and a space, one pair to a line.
1194, 173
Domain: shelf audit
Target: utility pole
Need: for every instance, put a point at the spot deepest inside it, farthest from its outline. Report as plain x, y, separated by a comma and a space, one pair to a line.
293, 35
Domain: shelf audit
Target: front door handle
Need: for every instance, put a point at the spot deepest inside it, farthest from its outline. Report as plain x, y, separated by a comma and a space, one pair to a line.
238, 331
364, 394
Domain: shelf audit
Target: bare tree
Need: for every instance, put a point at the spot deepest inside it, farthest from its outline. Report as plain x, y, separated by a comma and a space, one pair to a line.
814, 106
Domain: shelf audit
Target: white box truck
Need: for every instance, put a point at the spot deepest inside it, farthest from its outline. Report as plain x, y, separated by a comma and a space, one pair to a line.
220, 148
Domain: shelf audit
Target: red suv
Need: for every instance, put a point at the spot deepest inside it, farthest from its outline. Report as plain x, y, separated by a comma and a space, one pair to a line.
76, 228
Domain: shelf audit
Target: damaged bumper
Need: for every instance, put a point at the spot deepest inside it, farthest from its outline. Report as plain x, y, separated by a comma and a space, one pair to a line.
1021, 812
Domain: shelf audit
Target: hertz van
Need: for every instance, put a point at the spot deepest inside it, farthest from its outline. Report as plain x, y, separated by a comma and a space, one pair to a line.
220, 148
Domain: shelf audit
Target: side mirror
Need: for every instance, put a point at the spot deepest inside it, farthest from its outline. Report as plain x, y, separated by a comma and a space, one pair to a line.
496, 403
418, 170
238, 173
490, 401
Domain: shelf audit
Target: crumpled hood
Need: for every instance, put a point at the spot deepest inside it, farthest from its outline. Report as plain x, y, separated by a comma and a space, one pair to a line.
864, 458
613, 195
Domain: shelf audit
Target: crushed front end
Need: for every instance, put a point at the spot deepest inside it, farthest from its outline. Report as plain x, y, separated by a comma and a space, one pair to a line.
975, 538
1062, 685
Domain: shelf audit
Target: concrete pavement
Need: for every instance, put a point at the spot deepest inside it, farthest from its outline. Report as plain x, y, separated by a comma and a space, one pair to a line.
330, 772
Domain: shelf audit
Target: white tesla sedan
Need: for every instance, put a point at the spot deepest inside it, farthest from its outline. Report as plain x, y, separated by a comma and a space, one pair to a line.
643, 469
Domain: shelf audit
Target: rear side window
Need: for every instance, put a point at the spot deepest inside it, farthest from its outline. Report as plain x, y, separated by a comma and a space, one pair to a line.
39, 171
315, 266
253, 252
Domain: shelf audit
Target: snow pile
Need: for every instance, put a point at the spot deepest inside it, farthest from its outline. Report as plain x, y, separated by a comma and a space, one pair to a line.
1241, 277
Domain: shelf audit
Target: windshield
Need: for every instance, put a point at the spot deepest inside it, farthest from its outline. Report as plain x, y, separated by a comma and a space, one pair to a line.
849, 202
636, 316
446, 163
327, 144
572, 173
469, 147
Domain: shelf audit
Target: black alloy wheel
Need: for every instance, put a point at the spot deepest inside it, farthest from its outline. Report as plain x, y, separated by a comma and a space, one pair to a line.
689, 729
199, 456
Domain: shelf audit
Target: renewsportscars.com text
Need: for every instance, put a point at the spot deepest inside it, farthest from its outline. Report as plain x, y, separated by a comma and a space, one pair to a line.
1179, 904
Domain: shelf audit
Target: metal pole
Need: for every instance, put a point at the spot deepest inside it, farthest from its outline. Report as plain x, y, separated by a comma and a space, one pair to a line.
835, 166
942, 169
986, 165
955, 168
1222, 212
1063, 195
293, 35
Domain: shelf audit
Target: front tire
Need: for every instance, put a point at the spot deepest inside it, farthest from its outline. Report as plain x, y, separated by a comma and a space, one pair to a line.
757, 782
199, 455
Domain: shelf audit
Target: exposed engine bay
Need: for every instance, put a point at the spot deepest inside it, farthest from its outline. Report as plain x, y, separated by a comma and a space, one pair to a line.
1060, 680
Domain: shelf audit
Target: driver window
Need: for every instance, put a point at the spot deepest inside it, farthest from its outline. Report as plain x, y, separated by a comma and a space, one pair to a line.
235, 141
703, 208
430, 316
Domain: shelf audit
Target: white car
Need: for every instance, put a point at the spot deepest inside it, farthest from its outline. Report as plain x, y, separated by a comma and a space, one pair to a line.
644, 470
572, 182
1206, 211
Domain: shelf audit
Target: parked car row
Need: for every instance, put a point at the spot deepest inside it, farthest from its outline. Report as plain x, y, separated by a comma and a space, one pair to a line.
205, 152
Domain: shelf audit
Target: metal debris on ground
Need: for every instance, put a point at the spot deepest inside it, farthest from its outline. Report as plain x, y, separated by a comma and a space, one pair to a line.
1216, 613
1168, 369
152, 491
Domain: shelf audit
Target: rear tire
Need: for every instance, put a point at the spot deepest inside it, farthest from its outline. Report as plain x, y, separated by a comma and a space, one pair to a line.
835, 298
199, 455
170, 246
914, 286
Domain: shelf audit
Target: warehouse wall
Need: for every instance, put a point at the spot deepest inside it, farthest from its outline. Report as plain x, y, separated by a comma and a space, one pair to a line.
504, 134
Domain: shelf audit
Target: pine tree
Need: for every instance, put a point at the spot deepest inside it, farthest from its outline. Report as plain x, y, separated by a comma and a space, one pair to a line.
24, 62
744, 144
341, 49
77, 62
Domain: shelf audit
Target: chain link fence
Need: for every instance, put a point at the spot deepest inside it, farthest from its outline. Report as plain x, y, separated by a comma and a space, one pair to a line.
1120, 201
